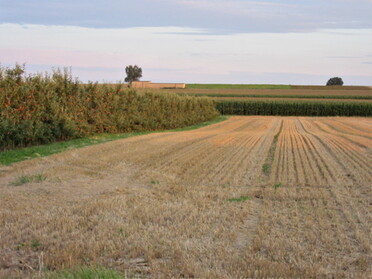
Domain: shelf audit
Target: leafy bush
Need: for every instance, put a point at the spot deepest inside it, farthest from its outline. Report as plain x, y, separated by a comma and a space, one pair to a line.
53, 107
335, 81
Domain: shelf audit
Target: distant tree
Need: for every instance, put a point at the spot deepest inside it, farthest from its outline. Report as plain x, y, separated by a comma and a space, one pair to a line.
335, 81
134, 73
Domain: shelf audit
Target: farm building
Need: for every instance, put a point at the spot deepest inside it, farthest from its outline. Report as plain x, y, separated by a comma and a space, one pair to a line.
149, 84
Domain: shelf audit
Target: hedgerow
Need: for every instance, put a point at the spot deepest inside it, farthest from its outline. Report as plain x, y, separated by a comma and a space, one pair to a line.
44, 108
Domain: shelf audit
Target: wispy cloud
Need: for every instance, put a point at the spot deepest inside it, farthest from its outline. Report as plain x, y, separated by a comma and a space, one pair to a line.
236, 7
344, 57
178, 54
217, 16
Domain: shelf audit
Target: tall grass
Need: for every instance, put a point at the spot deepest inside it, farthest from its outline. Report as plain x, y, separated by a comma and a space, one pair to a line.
290, 108
53, 107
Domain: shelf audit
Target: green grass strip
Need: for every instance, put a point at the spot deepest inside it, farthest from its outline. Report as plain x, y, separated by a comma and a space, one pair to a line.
16, 155
341, 97
237, 86
240, 199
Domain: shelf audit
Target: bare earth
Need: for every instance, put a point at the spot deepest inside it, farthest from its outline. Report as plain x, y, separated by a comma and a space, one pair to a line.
158, 205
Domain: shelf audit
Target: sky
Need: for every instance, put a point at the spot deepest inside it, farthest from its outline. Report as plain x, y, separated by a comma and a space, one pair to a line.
192, 41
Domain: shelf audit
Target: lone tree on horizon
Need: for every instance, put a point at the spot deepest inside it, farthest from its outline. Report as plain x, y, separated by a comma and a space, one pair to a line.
134, 73
335, 81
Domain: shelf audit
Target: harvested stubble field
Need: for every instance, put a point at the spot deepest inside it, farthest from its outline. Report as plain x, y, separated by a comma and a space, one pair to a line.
252, 197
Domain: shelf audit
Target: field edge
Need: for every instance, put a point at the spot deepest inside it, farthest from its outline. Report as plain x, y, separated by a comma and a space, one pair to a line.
9, 157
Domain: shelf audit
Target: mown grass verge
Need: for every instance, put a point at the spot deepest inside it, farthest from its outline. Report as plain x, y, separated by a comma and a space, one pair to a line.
16, 155
291, 108
237, 86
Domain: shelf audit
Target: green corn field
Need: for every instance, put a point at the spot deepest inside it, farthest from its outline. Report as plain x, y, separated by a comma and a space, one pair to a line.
288, 108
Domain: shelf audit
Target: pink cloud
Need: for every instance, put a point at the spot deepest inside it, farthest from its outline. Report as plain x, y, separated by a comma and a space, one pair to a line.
64, 57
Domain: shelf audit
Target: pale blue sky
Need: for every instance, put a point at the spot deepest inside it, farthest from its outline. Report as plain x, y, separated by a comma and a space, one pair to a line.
221, 41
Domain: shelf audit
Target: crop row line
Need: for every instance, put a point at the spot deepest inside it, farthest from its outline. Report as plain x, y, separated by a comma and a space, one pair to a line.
288, 108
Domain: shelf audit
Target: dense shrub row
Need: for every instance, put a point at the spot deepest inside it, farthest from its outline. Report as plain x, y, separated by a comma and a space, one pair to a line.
51, 107
288, 108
